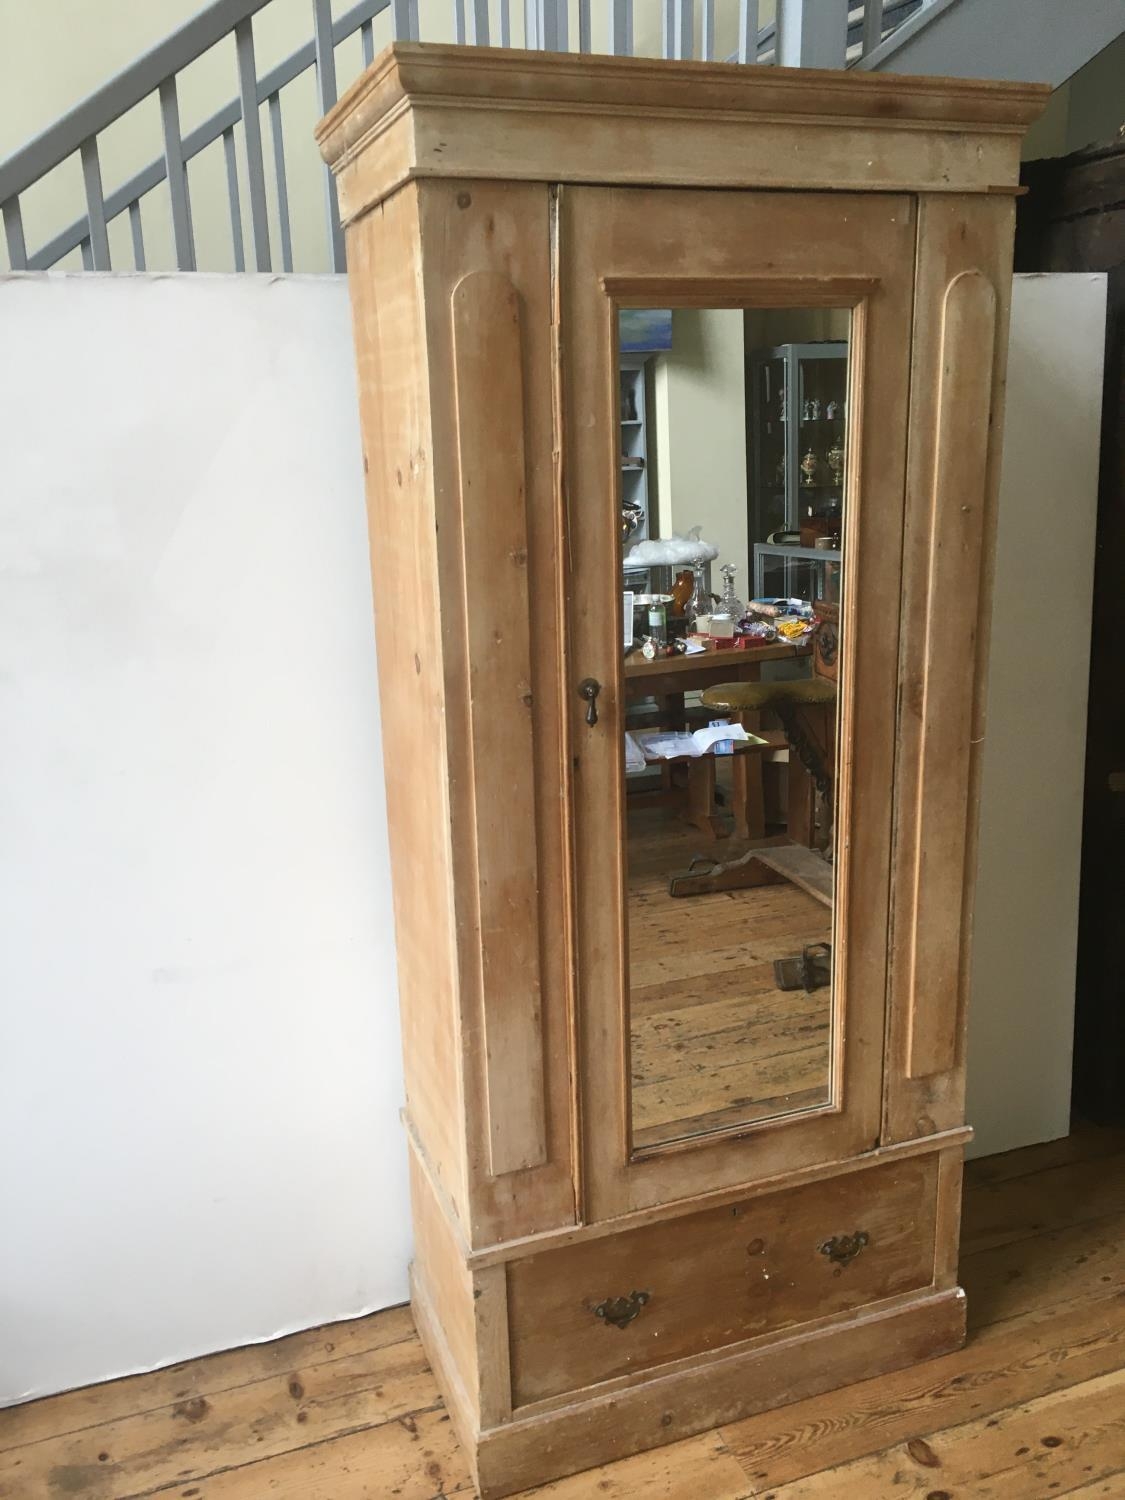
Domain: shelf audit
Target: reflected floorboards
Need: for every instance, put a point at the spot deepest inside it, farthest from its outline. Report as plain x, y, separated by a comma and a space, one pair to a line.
715, 1043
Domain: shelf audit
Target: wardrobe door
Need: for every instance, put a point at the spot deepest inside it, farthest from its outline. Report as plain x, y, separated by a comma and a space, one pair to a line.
701, 1067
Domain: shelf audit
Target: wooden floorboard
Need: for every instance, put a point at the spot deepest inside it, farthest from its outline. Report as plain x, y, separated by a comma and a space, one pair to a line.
714, 1042
1033, 1407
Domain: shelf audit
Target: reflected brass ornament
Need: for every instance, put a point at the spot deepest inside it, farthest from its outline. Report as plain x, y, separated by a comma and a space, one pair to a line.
842, 1249
620, 1311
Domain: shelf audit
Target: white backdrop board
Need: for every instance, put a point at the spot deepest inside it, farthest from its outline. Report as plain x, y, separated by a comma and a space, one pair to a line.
1021, 1020
200, 1073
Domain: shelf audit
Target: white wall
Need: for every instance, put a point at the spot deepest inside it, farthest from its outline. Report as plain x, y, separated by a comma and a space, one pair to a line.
199, 1076
1021, 1017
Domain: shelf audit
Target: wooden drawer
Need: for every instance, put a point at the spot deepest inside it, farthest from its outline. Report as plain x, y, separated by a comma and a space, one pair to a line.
718, 1277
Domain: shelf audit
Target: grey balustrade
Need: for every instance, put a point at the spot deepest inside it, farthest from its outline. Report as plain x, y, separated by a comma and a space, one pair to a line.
808, 31
175, 170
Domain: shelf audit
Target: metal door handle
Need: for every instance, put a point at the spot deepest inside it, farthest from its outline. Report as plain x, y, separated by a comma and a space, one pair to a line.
589, 688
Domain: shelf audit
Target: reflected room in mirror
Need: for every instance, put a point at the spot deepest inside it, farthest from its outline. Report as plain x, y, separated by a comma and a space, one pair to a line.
734, 434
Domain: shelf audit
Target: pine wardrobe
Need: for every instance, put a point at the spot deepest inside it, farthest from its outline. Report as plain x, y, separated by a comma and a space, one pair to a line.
656, 1186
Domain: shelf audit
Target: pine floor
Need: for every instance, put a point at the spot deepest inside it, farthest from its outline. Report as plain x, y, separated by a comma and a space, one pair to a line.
1032, 1408
714, 1041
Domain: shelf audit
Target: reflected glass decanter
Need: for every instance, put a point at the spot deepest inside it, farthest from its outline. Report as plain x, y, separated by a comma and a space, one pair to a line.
729, 602
702, 600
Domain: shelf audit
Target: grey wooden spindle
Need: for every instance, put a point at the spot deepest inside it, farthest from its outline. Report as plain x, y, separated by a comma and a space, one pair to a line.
619, 14
326, 95
282, 184
505, 23
13, 233
175, 167
585, 38
234, 200
748, 31
707, 37
95, 203
367, 37
136, 230
546, 24
404, 20
872, 25
252, 139
679, 28
477, 21
87, 256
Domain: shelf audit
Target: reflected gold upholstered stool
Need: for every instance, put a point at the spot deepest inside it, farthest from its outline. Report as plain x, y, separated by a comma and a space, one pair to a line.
806, 708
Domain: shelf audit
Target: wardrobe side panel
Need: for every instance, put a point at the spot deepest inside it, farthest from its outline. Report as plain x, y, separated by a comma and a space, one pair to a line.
956, 412
384, 274
491, 349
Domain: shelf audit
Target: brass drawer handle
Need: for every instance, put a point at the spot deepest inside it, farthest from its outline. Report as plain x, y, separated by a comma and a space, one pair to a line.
620, 1311
843, 1248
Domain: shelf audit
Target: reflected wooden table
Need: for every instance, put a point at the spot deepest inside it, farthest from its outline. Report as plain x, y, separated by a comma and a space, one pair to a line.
669, 678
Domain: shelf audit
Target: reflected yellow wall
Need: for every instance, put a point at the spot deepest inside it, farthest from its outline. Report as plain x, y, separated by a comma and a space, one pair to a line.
699, 433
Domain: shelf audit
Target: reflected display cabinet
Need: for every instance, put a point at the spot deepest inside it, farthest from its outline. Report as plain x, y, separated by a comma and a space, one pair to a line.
798, 429
685, 1135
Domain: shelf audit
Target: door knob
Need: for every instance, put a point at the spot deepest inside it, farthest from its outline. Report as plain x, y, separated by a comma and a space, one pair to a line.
589, 688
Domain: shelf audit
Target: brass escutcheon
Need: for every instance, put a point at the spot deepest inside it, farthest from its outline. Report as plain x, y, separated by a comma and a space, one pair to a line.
620, 1311
843, 1248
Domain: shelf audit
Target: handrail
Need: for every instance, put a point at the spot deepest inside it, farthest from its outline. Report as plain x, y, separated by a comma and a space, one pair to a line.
197, 140
872, 24
105, 105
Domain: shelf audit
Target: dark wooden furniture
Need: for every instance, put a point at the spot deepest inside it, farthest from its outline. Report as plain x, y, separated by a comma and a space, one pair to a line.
1073, 219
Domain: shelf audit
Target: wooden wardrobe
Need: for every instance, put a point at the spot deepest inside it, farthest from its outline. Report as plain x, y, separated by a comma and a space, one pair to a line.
591, 1279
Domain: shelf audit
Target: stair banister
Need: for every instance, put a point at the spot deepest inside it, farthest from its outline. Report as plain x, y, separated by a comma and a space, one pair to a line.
155, 72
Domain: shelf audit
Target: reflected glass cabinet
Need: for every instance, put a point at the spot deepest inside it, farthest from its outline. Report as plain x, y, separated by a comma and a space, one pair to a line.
684, 1106
797, 408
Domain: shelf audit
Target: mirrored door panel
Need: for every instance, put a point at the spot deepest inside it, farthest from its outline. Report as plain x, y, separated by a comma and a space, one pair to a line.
730, 718
733, 745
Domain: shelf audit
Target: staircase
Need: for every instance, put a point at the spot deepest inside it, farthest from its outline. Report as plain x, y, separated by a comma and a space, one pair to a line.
1001, 38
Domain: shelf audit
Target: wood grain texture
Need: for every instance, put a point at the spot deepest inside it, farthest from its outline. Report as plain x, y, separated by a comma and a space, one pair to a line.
934, 972
704, 1055
486, 333
503, 230
820, 1172
717, 1390
1048, 1316
612, 236
489, 377
1043, 1447
957, 238
423, 110
384, 268
718, 1278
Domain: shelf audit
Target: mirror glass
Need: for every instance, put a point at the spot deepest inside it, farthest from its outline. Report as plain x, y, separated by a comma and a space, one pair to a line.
734, 434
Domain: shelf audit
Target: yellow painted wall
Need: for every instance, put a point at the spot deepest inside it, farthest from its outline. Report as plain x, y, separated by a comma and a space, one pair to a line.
55, 52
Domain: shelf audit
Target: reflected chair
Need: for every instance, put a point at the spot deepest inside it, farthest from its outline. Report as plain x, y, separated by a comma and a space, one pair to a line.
806, 708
